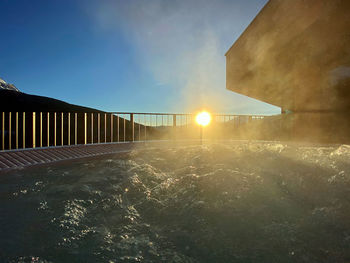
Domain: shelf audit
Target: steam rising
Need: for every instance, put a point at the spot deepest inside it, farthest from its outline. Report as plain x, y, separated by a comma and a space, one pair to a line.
183, 44
221, 202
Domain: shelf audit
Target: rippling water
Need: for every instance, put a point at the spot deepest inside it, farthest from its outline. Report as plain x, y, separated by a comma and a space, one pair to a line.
246, 202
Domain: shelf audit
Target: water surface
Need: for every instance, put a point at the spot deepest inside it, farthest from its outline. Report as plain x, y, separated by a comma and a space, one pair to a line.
227, 202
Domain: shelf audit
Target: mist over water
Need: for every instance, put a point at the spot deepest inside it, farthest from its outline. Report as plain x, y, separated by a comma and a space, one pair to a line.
182, 44
229, 202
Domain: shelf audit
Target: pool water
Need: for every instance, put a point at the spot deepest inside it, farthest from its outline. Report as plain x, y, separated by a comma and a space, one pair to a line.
223, 202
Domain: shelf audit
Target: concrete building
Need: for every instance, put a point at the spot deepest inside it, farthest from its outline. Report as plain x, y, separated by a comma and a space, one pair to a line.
296, 55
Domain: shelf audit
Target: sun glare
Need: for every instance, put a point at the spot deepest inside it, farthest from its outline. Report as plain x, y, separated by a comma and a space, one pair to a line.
203, 118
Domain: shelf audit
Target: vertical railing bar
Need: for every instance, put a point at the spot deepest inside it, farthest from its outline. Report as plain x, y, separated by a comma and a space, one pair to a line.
55, 129
48, 129
92, 127
99, 127
68, 128
105, 128
137, 116
61, 128
85, 128
111, 127
124, 125
139, 127
24, 130
3, 131
118, 127
144, 120
175, 126
41, 129
33, 129
10, 132
132, 126
16, 130
76, 128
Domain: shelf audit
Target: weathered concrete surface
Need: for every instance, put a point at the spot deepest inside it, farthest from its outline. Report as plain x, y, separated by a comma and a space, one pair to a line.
296, 55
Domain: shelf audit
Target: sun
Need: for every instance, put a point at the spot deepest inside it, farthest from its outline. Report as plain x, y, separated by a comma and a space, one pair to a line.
203, 118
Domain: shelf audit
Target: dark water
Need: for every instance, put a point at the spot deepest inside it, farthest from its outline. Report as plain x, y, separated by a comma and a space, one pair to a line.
249, 202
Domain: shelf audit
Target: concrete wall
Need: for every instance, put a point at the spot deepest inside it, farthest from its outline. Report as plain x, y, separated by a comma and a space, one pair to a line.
296, 55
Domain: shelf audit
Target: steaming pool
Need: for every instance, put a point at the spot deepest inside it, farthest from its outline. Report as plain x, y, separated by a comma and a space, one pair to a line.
220, 202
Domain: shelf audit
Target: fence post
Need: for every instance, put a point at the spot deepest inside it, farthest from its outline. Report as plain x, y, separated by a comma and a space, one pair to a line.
124, 127
48, 129
132, 126
85, 128
10, 137
41, 129
111, 127
98, 128
118, 132
76, 128
68, 128
105, 128
16, 130
3, 131
139, 118
24, 130
144, 119
61, 128
55, 129
33, 129
174, 126
92, 127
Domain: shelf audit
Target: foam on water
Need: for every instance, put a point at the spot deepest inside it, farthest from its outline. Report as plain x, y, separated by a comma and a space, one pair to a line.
232, 202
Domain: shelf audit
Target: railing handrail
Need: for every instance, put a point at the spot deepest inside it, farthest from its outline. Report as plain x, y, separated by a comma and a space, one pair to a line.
184, 114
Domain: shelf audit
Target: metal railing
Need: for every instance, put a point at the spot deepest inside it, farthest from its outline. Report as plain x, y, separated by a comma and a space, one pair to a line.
21, 130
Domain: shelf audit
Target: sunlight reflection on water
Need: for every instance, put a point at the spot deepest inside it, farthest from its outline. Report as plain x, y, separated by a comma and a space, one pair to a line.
246, 202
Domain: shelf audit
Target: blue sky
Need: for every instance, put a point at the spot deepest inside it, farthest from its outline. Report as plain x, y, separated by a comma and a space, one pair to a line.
136, 55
